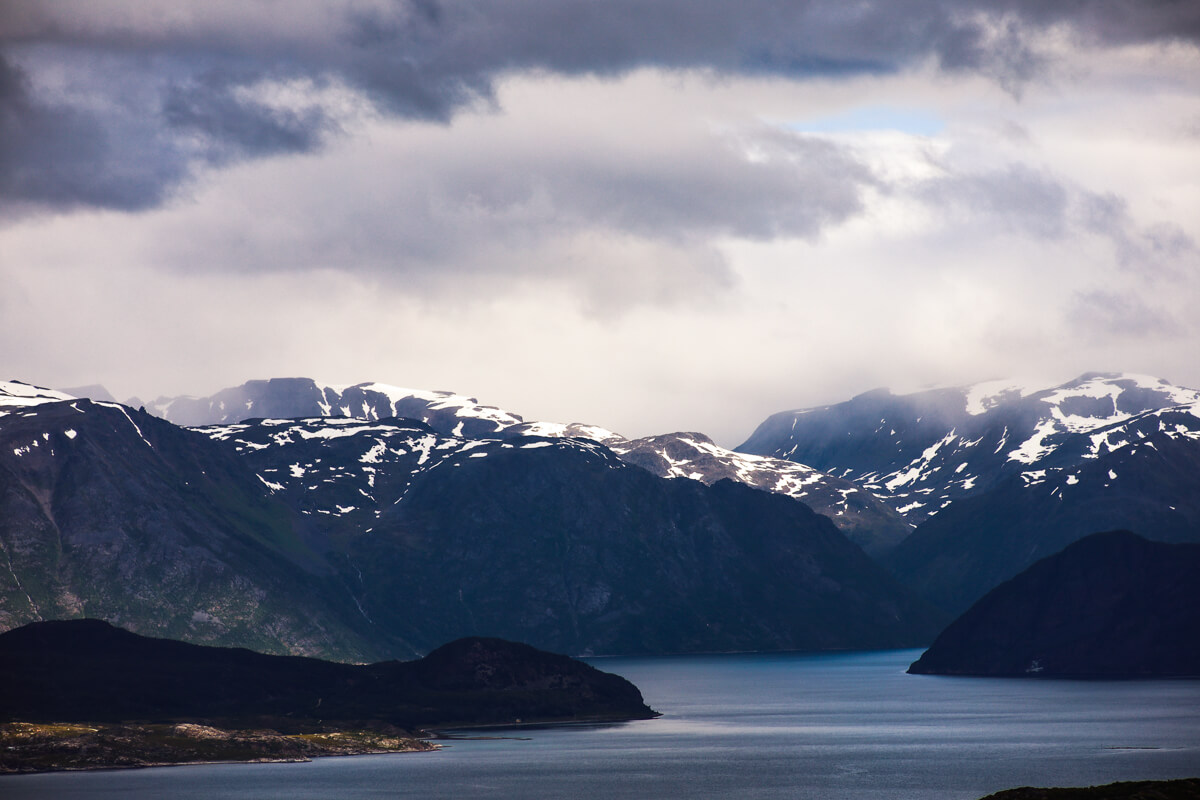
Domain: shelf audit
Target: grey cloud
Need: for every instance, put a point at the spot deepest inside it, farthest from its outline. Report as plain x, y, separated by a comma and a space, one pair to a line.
1019, 199
1151, 251
526, 210
1111, 316
1113, 21
233, 127
1014, 199
62, 157
426, 59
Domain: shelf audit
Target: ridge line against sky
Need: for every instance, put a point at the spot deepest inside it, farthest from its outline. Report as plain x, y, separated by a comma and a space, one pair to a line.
644, 215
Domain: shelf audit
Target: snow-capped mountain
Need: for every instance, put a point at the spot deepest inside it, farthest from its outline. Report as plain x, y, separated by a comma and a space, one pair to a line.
860, 515
293, 398
112, 513
1151, 486
922, 452
868, 522
373, 539
15, 395
353, 470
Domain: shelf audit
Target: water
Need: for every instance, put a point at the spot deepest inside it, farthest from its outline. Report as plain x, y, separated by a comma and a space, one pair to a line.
751, 726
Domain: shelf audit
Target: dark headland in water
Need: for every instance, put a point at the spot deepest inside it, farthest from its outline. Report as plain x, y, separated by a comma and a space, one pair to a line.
141, 692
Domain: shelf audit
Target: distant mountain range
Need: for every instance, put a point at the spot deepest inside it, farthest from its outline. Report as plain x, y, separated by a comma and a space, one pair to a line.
867, 521
997, 476
368, 539
367, 521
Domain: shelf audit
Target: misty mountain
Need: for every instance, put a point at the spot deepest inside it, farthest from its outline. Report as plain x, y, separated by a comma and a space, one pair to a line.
1000, 476
922, 452
864, 519
1110, 605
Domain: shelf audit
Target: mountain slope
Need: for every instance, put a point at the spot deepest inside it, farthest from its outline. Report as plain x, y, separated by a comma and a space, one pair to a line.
576, 551
353, 538
107, 512
1152, 487
860, 515
561, 543
1112, 605
868, 522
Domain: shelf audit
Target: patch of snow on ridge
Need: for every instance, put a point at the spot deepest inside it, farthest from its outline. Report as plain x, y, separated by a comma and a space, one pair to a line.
462, 405
573, 430
14, 395
916, 469
1035, 448
982, 397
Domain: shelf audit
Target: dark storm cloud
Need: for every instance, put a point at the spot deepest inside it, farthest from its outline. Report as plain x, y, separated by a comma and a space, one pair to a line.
61, 157
427, 59
233, 127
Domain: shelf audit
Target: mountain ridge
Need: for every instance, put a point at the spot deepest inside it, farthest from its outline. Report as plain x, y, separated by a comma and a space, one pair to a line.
179, 532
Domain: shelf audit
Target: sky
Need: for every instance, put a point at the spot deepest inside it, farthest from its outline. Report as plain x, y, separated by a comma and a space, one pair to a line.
653, 216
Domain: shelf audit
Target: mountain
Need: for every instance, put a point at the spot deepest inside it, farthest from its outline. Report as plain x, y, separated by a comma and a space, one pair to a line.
291, 398
561, 543
867, 521
998, 477
1183, 789
108, 512
359, 539
922, 452
89, 671
17, 396
1110, 605
1152, 487
860, 515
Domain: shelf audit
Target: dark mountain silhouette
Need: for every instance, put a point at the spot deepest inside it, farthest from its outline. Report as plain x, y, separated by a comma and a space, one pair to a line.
1112, 605
88, 670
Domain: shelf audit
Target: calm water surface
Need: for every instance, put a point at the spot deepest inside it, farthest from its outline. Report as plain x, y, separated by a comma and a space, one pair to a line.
752, 726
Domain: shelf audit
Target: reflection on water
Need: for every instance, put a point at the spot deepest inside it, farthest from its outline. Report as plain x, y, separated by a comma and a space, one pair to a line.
779, 726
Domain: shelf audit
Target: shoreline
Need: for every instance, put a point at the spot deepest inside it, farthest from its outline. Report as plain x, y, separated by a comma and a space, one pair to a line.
36, 748
28, 748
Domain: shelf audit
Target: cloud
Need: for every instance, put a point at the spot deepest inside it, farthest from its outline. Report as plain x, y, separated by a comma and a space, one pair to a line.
430, 59
1024, 200
58, 156
1014, 199
625, 206
1154, 251
1120, 317
235, 124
